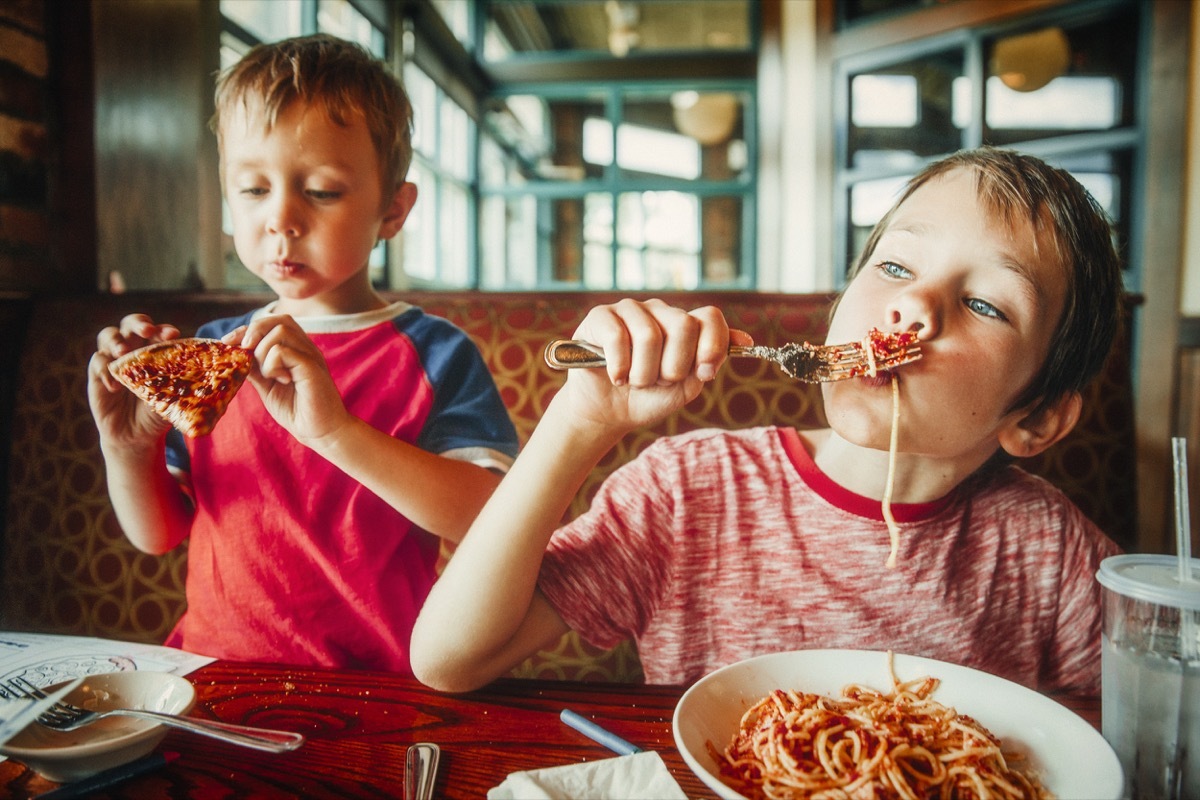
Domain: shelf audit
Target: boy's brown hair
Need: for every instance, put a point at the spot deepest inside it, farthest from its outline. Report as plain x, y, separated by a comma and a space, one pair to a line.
1015, 184
340, 77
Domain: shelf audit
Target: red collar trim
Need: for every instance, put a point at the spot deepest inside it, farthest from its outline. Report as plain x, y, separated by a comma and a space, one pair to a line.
840, 497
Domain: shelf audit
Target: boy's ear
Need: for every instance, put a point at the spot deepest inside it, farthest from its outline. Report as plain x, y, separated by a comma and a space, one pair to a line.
402, 202
1030, 434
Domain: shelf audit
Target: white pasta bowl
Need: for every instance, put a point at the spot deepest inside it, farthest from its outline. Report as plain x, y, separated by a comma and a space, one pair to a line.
69, 756
1063, 750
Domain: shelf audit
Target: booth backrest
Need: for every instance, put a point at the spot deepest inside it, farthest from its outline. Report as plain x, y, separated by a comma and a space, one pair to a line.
67, 567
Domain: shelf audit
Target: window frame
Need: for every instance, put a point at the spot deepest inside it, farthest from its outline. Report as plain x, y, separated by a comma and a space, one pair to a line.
1124, 141
614, 184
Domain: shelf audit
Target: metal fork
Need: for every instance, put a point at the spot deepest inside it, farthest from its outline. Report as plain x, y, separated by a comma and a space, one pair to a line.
66, 717
811, 363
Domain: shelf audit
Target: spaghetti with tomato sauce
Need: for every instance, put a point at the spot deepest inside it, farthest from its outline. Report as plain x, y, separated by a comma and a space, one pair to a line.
869, 744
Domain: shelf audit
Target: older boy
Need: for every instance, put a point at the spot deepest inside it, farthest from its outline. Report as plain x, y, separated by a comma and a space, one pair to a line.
716, 546
310, 508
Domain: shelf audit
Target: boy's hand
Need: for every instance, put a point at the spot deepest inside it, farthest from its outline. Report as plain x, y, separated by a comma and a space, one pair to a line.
291, 376
121, 417
659, 357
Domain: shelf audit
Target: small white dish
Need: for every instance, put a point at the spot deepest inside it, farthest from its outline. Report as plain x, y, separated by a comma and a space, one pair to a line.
1069, 755
64, 757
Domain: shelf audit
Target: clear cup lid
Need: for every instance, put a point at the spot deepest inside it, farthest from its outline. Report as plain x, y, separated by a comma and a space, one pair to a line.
1153, 578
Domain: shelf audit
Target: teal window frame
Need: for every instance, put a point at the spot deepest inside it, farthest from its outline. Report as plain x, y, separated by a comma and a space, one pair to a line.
614, 183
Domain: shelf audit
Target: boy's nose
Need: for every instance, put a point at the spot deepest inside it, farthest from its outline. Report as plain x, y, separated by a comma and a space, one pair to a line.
912, 312
283, 219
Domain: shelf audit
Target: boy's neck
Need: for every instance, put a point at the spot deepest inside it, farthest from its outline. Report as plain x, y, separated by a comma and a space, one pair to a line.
864, 470
340, 302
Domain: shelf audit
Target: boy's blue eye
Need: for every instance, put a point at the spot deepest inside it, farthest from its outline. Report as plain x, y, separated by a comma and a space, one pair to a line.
984, 308
894, 270
318, 194
253, 191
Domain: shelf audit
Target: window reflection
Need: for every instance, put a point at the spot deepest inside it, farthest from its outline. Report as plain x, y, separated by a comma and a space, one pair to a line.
508, 242
869, 201
624, 193
266, 22
640, 149
904, 112
420, 234
342, 19
884, 101
1054, 81
457, 16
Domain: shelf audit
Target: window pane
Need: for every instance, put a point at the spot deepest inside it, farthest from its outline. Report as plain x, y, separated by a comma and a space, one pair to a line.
566, 239
508, 243
422, 93
658, 235
232, 50
869, 201
419, 231
616, 27
1053, 81
341, 19
1105, 176
684, 134
453, 216
267, 21
457, 16
903, 113
547, 136
497, 166
454, 140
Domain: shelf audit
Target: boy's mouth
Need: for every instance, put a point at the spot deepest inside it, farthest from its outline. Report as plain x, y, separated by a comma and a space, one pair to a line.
284, 268
881, 379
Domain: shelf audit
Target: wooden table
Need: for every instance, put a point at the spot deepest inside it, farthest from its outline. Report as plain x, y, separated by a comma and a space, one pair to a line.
359, 725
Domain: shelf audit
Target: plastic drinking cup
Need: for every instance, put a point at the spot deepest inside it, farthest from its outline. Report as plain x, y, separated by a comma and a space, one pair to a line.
1150, 699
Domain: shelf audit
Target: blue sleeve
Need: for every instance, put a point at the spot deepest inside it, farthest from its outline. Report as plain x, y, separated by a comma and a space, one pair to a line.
177, 454
467, 409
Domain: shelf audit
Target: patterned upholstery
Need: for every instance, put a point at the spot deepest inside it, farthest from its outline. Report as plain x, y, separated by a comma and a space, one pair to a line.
67, 567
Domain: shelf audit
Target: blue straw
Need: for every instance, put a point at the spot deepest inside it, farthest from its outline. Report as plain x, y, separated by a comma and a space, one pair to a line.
598, 734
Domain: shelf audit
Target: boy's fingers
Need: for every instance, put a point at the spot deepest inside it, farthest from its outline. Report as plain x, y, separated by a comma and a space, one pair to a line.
235, 336
647, 339
712, 341
683, 335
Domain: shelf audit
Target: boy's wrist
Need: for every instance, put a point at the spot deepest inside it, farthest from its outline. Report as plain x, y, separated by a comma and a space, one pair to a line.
133, 451
337, 438
579, 430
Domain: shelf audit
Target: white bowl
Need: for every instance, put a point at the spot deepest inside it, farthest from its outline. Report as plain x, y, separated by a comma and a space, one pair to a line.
64, 757
1069, 756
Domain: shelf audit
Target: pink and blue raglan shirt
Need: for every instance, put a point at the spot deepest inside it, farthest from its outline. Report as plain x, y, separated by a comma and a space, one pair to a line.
289, 559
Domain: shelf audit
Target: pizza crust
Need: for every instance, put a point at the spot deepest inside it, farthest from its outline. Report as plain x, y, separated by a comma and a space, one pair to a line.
189, 382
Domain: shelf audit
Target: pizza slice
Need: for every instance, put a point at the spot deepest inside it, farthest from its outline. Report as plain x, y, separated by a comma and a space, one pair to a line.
188, 382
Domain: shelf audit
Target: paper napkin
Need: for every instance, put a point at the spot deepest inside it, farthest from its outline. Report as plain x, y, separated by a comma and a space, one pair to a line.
633, 777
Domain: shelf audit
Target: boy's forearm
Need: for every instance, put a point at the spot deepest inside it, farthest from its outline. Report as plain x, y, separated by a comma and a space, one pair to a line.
150, 506
440, 495
481, 618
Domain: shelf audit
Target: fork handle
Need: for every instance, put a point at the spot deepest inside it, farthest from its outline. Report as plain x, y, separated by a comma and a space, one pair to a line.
259, 738
573, 353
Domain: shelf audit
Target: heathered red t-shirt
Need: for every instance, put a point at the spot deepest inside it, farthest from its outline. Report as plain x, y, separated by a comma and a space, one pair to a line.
716, 546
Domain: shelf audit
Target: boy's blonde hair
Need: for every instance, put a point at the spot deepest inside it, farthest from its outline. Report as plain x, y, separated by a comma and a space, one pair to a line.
340, 77
1016, 185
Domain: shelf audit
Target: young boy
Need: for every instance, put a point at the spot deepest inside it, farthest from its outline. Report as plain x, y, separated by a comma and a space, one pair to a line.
715, 546
370, 425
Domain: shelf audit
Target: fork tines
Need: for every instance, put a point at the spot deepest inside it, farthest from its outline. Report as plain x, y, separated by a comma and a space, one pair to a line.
853, 365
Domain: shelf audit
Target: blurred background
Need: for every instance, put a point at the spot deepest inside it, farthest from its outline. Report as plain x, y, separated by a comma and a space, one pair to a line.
631, 145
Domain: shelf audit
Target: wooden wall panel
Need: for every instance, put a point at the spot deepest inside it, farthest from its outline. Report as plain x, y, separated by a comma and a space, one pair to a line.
158, 210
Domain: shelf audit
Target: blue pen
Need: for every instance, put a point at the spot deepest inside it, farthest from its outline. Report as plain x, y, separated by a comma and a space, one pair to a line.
109, 777
598, 734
